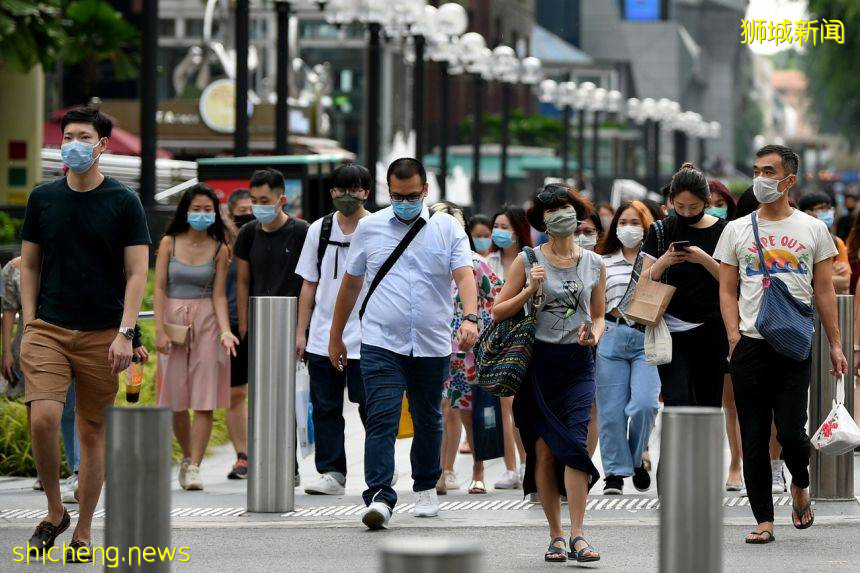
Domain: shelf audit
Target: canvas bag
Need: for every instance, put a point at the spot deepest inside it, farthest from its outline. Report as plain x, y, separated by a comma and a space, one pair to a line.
658, 344
839, 433
651, 298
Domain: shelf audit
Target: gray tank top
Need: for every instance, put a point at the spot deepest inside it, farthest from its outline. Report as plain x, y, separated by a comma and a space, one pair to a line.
186, 281
567, 297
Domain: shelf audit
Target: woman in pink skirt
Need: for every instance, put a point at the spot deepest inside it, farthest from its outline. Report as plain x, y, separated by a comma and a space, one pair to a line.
193, 325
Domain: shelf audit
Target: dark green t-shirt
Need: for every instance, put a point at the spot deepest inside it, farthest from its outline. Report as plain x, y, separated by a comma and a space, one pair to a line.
82, 236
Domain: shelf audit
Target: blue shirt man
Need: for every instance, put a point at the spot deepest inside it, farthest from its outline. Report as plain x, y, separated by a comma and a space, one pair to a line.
406, 333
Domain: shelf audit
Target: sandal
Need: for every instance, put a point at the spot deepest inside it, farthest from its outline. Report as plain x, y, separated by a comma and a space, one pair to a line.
556, 554
477, 487
580, 555
800, 513
759, 540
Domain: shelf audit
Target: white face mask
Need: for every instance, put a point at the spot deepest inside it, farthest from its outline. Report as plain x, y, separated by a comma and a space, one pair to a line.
766, 190
587, 242
630, 235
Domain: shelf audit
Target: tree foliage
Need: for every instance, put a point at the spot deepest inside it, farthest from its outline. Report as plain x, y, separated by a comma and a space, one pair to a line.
31, 33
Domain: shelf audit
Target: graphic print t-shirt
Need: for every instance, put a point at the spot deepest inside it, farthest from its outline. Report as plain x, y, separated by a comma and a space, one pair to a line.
791, 247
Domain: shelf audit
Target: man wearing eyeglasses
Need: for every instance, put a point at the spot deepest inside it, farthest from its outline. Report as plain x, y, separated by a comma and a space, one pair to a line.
406, 332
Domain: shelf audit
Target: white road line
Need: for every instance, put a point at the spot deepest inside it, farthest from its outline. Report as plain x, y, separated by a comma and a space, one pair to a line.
600, 504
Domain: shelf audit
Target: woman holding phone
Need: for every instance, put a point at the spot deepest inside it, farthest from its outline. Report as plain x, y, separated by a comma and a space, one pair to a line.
694, 377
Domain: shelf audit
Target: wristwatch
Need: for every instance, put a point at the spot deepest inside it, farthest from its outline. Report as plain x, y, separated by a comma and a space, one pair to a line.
127, 332
471, 318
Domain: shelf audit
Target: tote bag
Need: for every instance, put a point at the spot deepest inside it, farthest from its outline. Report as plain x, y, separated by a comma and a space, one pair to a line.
839, 433
658, 344
304, 411
487, 434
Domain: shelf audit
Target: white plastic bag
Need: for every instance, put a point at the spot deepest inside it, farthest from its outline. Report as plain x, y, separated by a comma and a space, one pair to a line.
658, 344
304, 411
839, 433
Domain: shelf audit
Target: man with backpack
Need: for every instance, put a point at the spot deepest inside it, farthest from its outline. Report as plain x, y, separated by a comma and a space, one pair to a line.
322, 265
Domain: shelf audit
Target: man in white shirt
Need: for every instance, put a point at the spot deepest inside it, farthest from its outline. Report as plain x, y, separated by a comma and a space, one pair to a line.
322, 265
406, 332
798, 251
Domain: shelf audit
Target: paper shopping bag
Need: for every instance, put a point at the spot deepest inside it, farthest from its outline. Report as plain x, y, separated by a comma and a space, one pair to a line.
650, 300
406, 429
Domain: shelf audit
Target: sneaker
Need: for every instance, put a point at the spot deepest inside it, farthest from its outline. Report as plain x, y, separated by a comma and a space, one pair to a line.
46, 533
614, 485
376, 516
510, 480
427, 504
450, 480
330, 483
70, 493
641, 478
183, 472
192, 478
240, 470
777, 477
37, 485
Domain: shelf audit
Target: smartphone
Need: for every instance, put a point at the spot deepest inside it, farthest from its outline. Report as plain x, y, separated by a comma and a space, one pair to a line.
587, 333
681, 245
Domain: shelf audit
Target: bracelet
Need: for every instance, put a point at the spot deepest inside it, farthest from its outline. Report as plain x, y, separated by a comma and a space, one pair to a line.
225, 334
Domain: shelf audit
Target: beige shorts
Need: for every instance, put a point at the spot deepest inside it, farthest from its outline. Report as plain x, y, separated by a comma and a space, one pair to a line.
52, 355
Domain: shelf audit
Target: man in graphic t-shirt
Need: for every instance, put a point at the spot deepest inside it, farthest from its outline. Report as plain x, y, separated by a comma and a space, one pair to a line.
799, 251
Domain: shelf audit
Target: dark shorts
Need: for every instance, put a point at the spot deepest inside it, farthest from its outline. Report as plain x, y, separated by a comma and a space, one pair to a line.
239, 363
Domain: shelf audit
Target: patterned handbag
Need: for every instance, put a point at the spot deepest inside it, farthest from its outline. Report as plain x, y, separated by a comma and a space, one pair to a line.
785, 322
504, 350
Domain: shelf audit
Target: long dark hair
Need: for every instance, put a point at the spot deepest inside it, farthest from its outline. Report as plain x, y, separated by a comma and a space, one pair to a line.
519, 225
179, 223
688, 178
853, 241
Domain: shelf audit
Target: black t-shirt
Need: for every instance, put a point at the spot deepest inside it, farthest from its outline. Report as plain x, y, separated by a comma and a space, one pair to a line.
273, 257
82, 236
697, 298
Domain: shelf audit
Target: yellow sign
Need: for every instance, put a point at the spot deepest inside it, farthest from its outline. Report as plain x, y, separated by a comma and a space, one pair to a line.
762, 31
218, 106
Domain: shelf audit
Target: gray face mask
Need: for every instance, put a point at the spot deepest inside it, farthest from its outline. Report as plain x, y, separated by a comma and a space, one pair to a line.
561, 223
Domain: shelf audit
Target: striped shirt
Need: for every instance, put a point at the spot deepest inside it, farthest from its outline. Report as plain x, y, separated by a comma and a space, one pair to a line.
618, 272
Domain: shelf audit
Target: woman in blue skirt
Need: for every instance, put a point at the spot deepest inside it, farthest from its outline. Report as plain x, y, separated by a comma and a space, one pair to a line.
553, 406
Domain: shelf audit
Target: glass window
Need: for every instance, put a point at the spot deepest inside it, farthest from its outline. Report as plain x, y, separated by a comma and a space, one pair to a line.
194, 27
166, 28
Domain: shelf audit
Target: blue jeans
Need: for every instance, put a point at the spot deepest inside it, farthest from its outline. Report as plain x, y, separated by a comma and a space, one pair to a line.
386, 376
628, 390
70, 433
327, 386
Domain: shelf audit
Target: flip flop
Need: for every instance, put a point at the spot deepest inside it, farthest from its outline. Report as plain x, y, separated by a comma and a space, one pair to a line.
759, 540
477, 487
555, 554
580, 555
800, 512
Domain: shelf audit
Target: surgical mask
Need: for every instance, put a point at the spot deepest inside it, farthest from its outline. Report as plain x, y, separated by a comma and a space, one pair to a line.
630, 235
503, 238
78, 155
766, 190
240, 220
347, 204
684, 220
721, 212
561, 223
587, 242
606, 221
482, 243
265, 213
201, 221
826, 217
407, 210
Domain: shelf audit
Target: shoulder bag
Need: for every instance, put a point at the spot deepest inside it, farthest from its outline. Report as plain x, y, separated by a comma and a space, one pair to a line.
182, 334
650, 297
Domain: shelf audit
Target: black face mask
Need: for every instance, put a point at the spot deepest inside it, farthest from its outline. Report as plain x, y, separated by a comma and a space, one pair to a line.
240, 220
690, 220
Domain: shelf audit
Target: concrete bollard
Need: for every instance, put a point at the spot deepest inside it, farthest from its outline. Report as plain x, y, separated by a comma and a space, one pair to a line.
430, 556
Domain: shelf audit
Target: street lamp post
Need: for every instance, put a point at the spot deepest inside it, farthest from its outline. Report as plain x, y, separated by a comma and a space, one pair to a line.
597, 104
373, 101
583, 96
240, 131
282, 105
418, 96
148, 102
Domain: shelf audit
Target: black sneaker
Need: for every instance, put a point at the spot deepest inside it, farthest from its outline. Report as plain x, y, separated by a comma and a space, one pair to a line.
46, 533
79, 552
641, 479
614, 485
240, 470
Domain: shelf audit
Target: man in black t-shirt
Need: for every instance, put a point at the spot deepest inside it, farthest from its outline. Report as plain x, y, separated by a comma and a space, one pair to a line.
84, 261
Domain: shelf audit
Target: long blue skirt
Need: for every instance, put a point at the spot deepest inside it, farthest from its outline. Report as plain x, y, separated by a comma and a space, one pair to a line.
554, 403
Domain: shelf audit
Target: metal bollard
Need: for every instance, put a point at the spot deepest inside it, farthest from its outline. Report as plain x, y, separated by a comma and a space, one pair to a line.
831, 477
691, 490
272, 396
137, 479
430, 556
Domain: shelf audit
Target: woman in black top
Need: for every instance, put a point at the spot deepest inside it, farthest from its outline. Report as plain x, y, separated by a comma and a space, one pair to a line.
694, 377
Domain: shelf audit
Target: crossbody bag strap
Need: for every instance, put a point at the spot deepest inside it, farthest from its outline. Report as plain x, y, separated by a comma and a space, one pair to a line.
325, 235
389, 262
766, 276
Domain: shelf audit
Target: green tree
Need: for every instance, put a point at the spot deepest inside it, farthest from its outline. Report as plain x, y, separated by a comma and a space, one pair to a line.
30, 33
833, 82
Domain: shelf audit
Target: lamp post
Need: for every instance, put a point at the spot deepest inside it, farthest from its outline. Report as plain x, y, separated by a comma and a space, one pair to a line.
508, 69
148, 102
613, 107
475, 57
583, 96
597, 104
240, 131
561, 95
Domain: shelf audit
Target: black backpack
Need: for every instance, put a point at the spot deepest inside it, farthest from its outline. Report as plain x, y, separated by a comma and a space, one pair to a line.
325, 241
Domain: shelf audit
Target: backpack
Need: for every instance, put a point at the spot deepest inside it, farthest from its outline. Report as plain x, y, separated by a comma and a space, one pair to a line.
325, 241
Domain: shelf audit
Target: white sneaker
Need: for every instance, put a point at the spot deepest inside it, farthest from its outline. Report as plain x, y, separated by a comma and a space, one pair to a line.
183, 472
37, 485
427, 504
70, 493
777, 477
376, 516
330, 483
510, 480
451, 480
192, 478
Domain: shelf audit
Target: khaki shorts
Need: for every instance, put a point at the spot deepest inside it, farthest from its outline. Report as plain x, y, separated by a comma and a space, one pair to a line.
52, 355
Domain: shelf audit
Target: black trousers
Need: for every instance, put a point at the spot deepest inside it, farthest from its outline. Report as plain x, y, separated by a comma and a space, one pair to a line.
695, 375
767, 384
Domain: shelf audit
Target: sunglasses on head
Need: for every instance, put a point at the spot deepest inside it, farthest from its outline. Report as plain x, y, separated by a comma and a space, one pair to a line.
550, 193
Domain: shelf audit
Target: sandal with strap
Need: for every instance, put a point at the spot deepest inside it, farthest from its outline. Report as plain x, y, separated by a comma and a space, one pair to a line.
800, 513
556, 554
759, 540
580, 555
477, 487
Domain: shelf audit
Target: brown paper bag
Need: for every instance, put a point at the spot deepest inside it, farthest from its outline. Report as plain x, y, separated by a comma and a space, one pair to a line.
649, 303
406, 429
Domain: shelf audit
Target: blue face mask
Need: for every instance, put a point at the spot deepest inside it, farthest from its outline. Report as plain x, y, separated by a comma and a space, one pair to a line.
265, 213
407, 210
201, 221
721, 212
503, 238
482, 243
78, 155
827, 217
